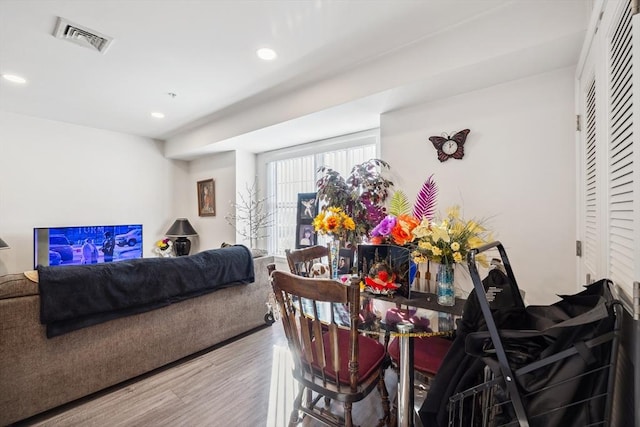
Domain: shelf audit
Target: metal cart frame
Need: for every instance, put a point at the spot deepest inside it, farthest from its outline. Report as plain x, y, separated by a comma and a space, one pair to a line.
512, 398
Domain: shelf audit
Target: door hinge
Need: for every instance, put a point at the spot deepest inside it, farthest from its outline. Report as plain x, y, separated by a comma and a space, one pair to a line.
578, 248
578, 123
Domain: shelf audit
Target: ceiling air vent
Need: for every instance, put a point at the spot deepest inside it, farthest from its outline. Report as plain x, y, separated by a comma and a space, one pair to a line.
81, 35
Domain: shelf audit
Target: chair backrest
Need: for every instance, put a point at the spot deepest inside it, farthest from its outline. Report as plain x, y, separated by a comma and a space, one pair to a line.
301, 260
323, 352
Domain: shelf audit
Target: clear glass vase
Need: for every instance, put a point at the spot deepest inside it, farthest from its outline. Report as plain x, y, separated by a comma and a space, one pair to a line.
334, 254
444, 280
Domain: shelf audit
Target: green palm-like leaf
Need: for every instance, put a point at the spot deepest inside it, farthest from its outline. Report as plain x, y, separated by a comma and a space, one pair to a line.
399, 204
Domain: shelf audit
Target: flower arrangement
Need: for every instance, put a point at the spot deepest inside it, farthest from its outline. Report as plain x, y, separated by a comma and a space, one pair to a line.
397, 227
448, 241
335, 222
164, 248
361, 196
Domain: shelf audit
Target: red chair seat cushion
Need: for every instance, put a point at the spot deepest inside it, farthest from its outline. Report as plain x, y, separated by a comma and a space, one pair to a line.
370, 352
428, 353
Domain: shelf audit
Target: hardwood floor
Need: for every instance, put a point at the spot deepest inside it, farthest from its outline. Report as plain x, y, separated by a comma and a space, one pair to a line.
229, 386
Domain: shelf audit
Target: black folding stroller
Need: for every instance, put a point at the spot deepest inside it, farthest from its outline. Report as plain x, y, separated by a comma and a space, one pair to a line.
527, 366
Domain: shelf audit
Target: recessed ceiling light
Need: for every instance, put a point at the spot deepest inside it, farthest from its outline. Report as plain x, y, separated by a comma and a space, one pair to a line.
14, 79
157, 115
266, 54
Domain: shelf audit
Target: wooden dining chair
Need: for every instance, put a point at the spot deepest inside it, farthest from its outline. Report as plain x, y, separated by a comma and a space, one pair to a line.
301, 261
328, 360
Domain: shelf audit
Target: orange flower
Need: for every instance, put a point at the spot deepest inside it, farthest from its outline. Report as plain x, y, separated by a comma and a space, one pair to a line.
376, 240
332, 223
401, 232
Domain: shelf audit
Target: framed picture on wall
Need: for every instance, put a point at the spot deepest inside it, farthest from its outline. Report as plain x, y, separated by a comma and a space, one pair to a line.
306, 236
206, 198
307, 210
307, 207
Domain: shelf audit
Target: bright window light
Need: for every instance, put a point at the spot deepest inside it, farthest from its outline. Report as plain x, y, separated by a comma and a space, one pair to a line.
14, 78
286, 177
266, 54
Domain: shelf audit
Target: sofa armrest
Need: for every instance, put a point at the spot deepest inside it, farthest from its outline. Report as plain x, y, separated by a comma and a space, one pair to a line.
17, 285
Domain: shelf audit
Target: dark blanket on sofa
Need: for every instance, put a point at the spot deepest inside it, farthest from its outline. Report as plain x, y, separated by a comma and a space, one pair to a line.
75, 297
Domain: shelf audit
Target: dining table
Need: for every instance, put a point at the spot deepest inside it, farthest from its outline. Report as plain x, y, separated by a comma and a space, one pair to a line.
418, 315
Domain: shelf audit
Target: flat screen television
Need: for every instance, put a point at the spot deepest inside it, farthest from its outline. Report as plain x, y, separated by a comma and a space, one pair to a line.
86, 244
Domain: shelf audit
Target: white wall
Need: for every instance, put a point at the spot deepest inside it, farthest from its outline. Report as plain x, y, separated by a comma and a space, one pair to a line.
57, 174
245, 179
517, 172
212, 230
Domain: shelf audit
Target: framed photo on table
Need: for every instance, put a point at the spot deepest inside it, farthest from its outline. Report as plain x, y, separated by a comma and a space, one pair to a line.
206, 198
396, 260
345, 261
307, 211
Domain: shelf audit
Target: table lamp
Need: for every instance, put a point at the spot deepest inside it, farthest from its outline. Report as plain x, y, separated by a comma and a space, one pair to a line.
181, 229
3, 244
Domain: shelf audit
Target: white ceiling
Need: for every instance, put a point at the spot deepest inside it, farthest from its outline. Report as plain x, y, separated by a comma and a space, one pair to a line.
341, 63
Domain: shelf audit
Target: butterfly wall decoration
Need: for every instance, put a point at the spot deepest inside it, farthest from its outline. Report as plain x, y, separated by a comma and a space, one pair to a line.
450, 146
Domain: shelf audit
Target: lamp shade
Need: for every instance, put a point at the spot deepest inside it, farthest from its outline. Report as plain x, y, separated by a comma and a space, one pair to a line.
181, 228
3, 244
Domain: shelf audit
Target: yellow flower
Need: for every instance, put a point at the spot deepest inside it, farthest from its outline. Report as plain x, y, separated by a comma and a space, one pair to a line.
318, 221
440, 233
457, 228
474, 227
418, 257
348, 223
422, 230
333, 221
449, 240
453, 212
425, 245
475, 242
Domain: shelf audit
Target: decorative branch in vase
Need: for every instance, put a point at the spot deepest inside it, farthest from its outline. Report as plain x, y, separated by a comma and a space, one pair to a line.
250, 216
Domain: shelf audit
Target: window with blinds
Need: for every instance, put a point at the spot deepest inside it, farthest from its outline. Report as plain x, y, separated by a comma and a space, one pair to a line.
290, 176
623, 223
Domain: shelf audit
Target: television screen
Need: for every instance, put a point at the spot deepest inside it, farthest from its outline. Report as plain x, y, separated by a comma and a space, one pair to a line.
86, 244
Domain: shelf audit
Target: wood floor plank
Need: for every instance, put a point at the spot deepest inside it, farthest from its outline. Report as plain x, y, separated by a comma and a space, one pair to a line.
230, 386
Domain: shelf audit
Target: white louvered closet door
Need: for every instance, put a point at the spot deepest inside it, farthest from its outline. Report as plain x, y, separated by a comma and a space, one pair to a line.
609, 156
622, 212
590, 123
592, 219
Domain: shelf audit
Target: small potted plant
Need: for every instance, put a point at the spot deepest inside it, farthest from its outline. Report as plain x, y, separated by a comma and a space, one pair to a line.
361, 196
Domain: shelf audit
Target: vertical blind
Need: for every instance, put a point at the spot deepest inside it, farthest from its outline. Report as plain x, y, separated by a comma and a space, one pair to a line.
288, 177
